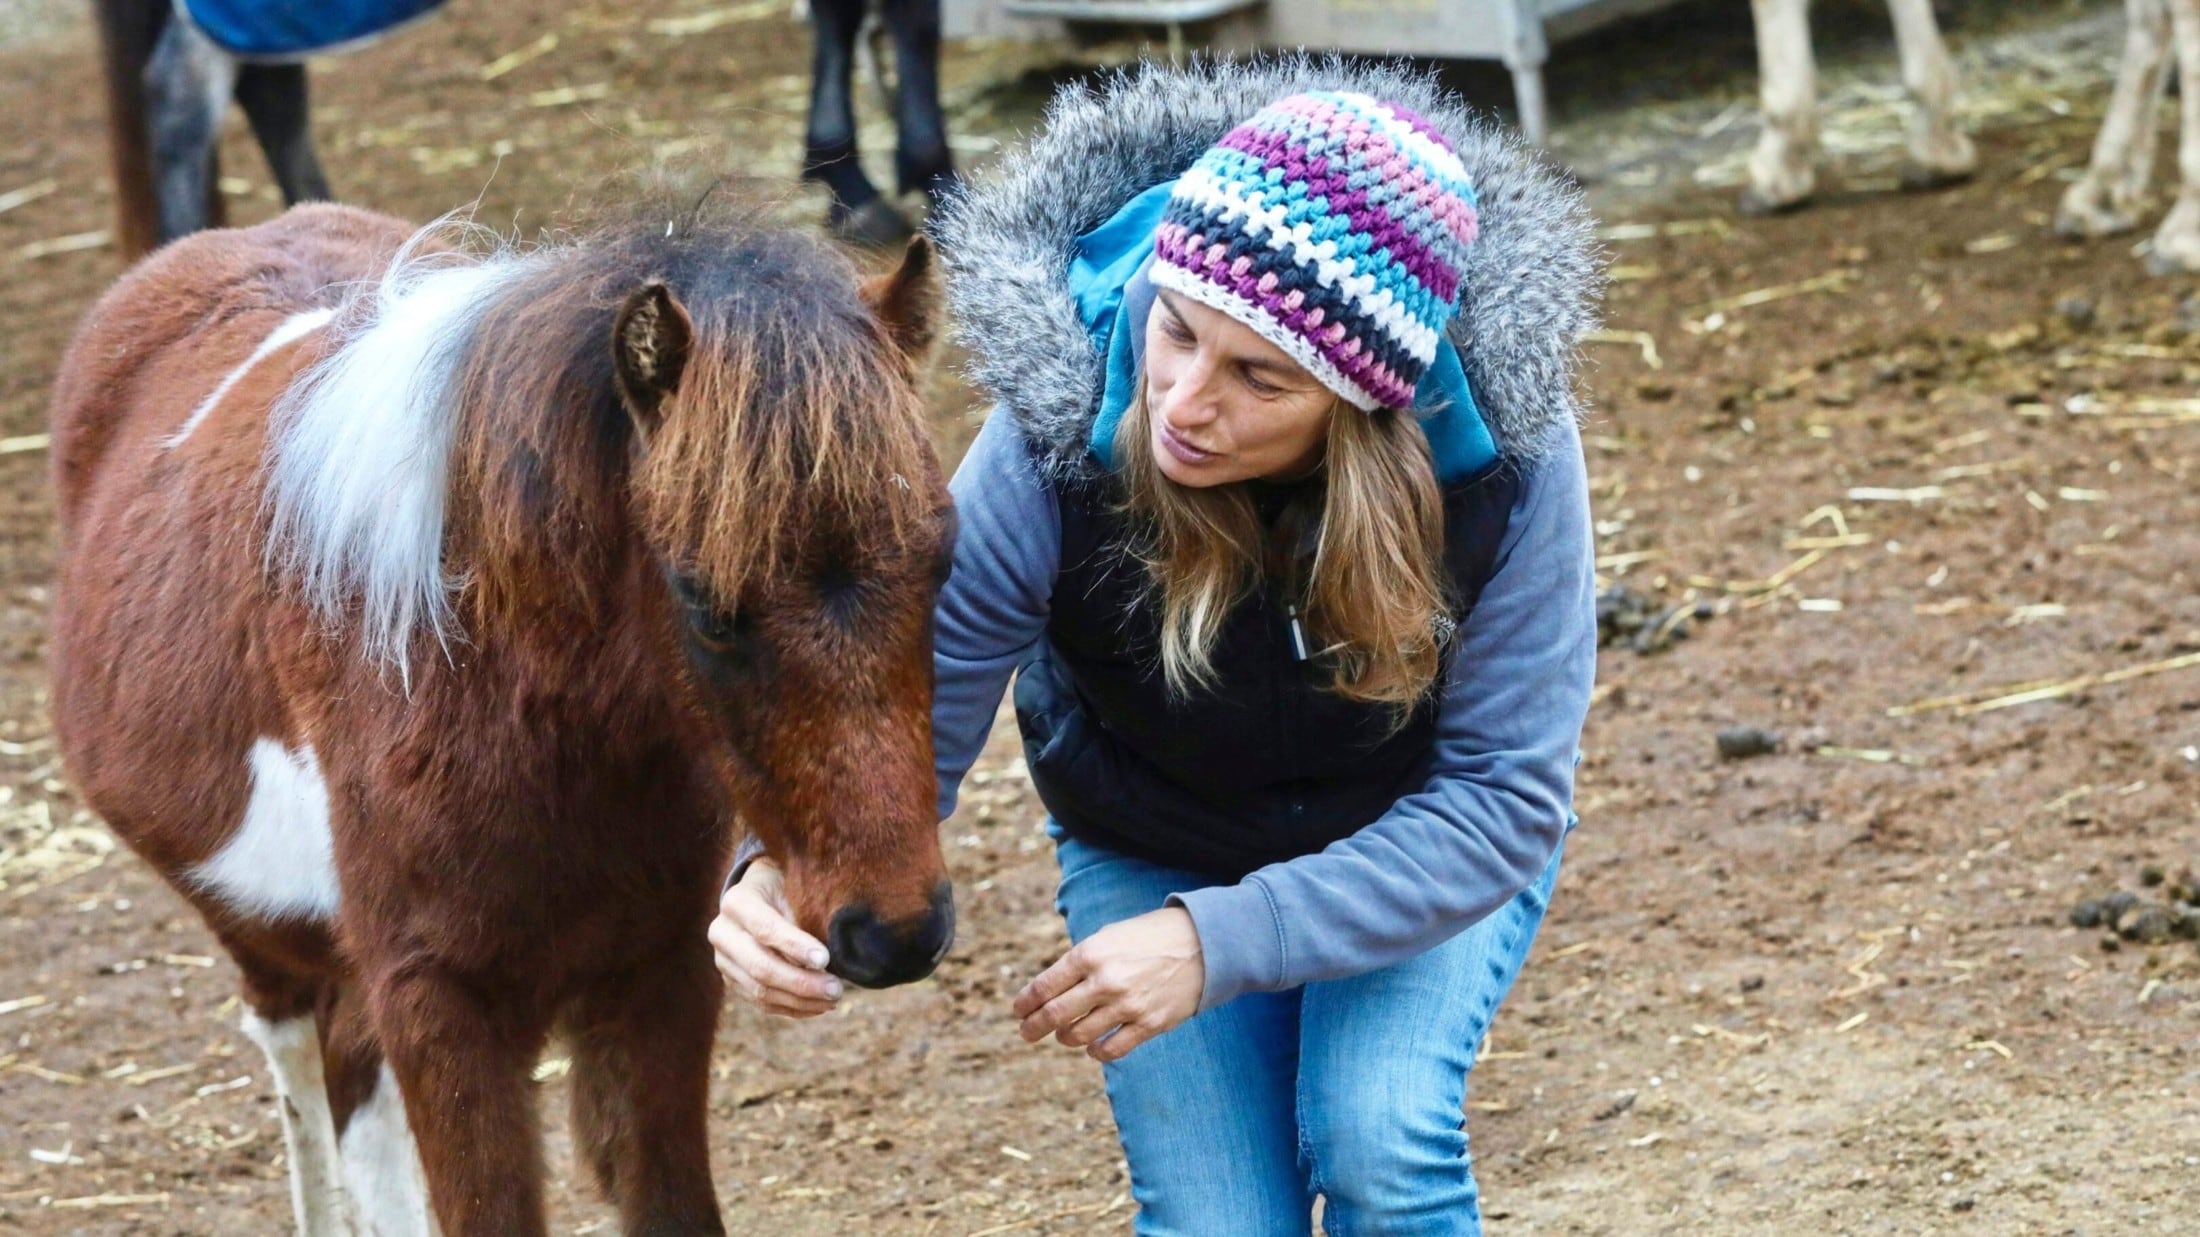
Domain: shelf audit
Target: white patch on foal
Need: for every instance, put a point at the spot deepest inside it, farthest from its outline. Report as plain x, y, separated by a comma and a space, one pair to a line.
359, 453
281, 862
293, 1048
291, 330
389, 1193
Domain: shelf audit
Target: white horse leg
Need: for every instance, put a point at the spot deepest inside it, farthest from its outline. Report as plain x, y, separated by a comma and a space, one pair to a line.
1939, 150
2106, 199
1780, 169
2177, 243
382, 1167
293, 1048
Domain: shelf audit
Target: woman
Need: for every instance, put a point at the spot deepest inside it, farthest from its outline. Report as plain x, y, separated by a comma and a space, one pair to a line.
1282, 518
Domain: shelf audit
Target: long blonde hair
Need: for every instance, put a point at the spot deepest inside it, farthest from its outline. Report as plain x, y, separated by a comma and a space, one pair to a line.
1374, 604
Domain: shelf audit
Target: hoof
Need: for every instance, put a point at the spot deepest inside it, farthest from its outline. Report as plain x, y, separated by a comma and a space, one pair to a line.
878, 224
2091, 226
1919, 177
2162, 265
1755, 204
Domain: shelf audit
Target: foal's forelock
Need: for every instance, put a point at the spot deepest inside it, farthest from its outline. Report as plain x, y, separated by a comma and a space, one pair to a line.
470, 402
774, 440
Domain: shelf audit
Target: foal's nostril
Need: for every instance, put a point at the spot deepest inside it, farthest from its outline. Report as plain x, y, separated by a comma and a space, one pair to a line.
875, 953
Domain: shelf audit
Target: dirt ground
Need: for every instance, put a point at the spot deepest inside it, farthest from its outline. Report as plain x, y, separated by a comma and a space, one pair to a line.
1937, 458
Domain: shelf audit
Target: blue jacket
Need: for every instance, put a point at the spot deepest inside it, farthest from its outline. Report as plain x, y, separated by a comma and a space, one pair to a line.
1045, 275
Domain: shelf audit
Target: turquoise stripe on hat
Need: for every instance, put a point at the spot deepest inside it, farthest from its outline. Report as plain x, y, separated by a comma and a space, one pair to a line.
1355, 250
1107, 278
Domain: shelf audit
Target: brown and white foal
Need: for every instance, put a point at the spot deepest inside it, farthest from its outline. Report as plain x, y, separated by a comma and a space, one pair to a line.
424, 617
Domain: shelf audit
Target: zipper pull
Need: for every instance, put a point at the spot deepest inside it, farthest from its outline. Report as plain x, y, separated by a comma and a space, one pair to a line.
1298, 632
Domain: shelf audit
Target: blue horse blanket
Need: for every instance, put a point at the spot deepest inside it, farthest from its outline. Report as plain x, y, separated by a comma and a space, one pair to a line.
294, 29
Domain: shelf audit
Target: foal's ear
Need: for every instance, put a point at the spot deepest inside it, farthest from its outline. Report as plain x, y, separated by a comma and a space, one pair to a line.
903, 300
649, 349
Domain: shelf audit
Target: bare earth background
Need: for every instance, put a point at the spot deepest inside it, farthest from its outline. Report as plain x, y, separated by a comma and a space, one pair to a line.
1936, 454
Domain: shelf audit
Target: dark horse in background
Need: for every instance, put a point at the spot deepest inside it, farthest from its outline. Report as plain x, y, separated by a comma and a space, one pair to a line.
169, 82
922, 162
424, 617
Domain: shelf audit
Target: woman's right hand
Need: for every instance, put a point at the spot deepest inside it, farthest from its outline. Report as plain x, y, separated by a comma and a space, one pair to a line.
763, 955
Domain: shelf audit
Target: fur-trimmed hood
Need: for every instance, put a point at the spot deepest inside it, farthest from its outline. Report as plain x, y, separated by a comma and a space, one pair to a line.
1533, 278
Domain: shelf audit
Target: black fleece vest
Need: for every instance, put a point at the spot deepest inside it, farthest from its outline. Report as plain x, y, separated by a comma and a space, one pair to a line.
1266, 766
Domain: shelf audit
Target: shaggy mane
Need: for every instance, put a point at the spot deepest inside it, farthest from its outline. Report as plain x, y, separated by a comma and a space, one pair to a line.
466, 435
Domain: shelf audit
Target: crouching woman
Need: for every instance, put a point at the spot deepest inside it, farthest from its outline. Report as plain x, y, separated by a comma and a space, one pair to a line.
1281, 525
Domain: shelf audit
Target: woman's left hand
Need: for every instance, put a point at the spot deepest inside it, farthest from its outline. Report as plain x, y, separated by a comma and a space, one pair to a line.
1136, 979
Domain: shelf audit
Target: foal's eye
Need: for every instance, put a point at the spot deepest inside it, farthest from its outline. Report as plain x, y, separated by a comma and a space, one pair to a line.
715, 626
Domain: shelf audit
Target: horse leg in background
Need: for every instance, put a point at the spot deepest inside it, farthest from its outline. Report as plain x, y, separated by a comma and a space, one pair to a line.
858, 211
381, 1166
274, 98
2106, 199
280, 1019
873, 51
464, 1076
188, 84
921, 158
2177, 242
128, 30
1940, 152
1780, 169
641, 1077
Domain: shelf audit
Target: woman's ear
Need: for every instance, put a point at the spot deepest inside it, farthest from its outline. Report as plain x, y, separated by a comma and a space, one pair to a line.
904, 300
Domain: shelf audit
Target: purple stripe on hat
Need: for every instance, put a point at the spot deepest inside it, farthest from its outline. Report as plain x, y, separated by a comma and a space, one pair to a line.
1333, 187
1419, 124
1382, 156
1454, 208
1357, 362
1284, 152
1419, 302
1439, 274
1349, 172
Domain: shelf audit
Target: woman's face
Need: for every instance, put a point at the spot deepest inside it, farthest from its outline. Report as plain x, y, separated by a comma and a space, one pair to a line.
1224, 404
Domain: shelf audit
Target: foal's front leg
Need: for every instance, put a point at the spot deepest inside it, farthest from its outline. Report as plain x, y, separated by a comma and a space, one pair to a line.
463, 1068
641, 1080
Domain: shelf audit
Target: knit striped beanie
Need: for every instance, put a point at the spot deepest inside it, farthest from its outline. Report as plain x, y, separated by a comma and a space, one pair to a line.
1337, 226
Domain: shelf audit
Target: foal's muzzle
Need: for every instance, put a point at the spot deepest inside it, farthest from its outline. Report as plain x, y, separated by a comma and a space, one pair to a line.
874, 953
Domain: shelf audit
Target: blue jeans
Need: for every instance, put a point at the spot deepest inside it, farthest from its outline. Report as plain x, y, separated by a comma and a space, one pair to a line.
1350, 1089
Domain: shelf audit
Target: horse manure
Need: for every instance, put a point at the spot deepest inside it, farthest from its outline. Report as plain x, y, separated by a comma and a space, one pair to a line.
2145, 924
1744, 742
2126, 916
